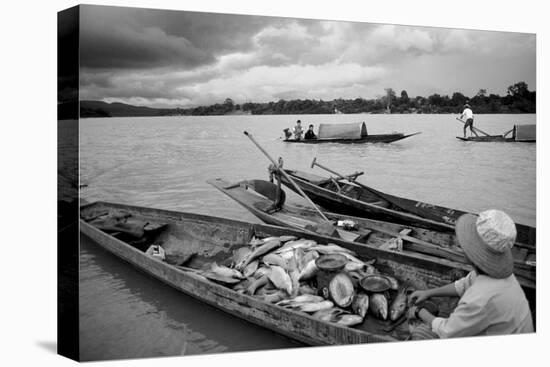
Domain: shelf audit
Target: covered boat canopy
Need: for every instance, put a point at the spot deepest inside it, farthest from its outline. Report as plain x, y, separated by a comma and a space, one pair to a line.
524, 132
354, 130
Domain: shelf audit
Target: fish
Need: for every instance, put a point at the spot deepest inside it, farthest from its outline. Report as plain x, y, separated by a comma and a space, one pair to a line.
260, 251
254, 285
349, 319
274, 259
360, 304
306, 289
329, 314
353, 266
262, 270
251, 268
220, 278
309, 255
280, 279
399, 304
378, 305
311, 307
341, 290
274, 297
294, 274
287, 238
309, 271
301, 299
240, 254
224, 271
301, 243
393, 281
256, 242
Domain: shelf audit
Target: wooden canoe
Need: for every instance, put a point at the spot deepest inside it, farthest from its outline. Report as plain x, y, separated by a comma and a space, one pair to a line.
378, 138
214, 238
257, 197
363, 201
489, 138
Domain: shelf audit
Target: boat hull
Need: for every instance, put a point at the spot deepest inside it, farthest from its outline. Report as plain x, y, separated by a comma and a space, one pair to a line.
223, 233
380, 138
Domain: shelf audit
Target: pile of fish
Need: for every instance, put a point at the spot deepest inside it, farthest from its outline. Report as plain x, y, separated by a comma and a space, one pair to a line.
283, 270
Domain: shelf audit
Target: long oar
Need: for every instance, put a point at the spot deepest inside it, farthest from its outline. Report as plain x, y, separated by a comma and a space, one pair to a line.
475, 128
282, 171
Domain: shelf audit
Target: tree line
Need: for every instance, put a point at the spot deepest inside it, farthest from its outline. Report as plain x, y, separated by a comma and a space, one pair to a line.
518, 99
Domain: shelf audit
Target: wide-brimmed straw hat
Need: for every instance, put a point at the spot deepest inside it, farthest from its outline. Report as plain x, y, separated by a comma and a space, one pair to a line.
487, 241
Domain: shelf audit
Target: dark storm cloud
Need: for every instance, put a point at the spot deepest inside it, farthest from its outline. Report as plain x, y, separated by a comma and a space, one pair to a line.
158, 57
115, 37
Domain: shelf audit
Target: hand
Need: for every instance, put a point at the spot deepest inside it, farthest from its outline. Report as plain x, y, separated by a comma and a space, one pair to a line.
411, 312
418, 296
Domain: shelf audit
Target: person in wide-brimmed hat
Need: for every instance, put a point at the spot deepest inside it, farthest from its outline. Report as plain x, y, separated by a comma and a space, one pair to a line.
469, 115
491, 299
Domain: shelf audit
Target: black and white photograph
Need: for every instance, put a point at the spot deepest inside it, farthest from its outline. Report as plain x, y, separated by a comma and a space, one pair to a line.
243, 183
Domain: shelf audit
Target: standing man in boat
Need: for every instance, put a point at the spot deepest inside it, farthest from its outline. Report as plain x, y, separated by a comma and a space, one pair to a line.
469, 115
310, 134
491, 299
298, 130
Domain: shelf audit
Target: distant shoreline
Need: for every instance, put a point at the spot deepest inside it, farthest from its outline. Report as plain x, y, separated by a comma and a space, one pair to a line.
519, 100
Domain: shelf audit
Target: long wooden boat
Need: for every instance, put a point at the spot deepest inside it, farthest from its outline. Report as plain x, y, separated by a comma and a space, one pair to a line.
519, 133
378, 138
348, 133
363, 201
257, 196
213, 239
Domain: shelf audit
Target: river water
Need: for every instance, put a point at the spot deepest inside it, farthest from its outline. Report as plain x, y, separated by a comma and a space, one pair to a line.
163, 162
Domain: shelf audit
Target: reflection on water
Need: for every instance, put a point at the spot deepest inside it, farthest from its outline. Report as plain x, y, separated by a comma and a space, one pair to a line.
164, 162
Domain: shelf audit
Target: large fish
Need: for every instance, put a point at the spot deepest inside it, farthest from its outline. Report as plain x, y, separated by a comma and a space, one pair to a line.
309, 255
287, 238
306, 289
311, 307
260, 251
399, 304
254, 285
360, 304
274, 259
251, 268
301, 243
301, 299
274, 297
240, 254
349, 319
378, 305
280, 279
224, 271
329, 314
309, 271
393, 281
341, 290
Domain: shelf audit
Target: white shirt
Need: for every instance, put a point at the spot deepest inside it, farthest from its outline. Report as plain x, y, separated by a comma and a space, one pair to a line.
467, 113
487, 306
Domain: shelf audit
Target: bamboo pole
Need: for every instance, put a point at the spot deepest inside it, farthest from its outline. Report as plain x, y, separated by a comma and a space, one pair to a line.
282, 171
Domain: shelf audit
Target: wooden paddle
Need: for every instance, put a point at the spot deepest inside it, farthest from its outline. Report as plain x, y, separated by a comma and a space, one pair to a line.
282, 171
475, 128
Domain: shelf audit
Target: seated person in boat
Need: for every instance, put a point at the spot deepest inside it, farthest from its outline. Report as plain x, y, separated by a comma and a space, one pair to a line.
310, 134
298, 130
469, 115
491, 299
288, 134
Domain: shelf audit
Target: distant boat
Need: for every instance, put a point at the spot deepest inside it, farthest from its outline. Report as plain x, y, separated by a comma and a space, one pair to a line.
337, 112
350, 133
520, 133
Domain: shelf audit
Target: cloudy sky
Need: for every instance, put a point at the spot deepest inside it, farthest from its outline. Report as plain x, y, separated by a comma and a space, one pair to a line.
183, 59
